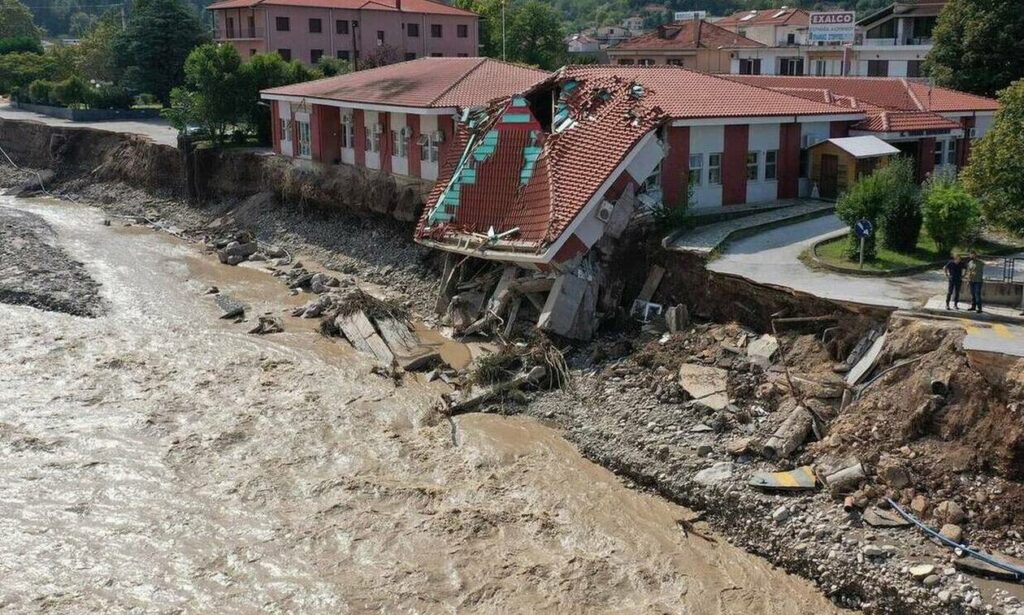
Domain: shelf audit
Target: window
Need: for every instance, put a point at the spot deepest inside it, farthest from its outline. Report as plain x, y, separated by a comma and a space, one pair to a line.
914, 68
753, 168
462, 55
791, 66
939, 151
696, 169
409, 55
282, 24
341, 26
625, 62
674, 62
750, 66
715, 169
951, 152
791, 39
252, 52
437, 54
231, 27
428, 148
304, 139
883, 30
820, 68
462, 31
771, 165
286, 130
286, 54
380, 37
399, 144
251, 22
315, 55
805, 161
652, 185
316, 26
373, 138
412, 29
435, 30
343, 55
645, 62
348, 137
878, 68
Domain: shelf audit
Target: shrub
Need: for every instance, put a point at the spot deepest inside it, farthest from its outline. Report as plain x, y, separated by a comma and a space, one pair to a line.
900, 224
864, 201
70, 92
40, 91
17, 44
951, 215
109, 96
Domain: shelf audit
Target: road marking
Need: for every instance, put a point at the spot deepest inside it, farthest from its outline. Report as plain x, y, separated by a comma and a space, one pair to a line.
1003, 331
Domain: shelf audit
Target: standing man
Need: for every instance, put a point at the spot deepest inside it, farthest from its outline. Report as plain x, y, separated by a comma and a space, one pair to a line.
975, 277
954, 274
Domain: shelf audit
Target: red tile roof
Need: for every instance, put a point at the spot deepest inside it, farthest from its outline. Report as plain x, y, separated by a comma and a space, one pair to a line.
423, 83
766, 17
690, 34
429, 7
884, 92
900, 121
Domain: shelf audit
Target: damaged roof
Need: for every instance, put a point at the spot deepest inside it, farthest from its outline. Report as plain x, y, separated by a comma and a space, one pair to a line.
507, 171
683, 35
422, 83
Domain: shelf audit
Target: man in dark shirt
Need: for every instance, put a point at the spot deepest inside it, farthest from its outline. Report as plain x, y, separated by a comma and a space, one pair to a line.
954, 274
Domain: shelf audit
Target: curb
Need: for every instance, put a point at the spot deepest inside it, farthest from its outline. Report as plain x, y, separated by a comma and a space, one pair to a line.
893, 273
745, 232
985, 317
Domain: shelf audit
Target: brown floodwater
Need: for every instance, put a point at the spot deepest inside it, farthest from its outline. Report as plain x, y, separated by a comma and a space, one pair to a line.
158, 459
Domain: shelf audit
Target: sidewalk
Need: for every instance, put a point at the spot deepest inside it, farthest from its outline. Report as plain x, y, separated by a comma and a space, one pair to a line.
991, 313
704, 240
158, 131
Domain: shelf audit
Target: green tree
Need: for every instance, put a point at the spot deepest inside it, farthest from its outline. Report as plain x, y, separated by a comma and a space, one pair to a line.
978, 45
16, 21
96, 51
996, 171
951, 214
80, 23
901, 217
152, 50
331, 67
210, 94
535, 35
71, 92
18, 70
263, 71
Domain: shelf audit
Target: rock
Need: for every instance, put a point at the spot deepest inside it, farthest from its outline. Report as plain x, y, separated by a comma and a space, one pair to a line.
705, 384
949, 511
235, 252
781, 514
274, 252
919, 505
762, 350
922, 571
739, 446
212, 290
230, 307
874, 551
302, 280
268, 324
704, 450
945, 596
718, 473
953, 532
700, 428
894, 473
931, 580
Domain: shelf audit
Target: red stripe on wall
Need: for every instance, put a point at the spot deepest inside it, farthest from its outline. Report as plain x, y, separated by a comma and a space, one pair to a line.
789, 161
384, 119
925, 158
963, 146
413, 121
734, 165
676, 166
446, 124
572, 246
359, 134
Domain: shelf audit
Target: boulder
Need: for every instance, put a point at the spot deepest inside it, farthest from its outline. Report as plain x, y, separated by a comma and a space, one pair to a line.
229, 306
893, 473
922, 571
919, 505
949, 511
235, 252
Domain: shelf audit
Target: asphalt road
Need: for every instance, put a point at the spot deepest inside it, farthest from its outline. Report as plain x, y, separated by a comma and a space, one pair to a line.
158, 131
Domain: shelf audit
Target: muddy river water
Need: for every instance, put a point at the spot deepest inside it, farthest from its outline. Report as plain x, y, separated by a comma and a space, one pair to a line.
157, 459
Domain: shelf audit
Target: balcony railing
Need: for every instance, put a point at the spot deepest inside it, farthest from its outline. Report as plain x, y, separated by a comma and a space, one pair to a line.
236, 33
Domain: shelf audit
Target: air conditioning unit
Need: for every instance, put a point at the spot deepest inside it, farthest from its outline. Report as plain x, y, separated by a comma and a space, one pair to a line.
604, 211
377, 129
438, 136
423, 140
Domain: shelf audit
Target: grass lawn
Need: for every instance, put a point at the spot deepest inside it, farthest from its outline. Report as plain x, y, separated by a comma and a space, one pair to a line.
833, 253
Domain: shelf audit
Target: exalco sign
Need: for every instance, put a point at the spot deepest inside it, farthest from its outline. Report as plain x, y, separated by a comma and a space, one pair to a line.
832, 27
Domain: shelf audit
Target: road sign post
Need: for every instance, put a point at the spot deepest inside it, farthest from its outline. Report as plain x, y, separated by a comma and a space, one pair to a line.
863, 229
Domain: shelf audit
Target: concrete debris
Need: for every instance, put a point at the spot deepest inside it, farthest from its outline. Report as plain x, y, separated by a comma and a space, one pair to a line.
480, 395
708, 385
654, 277
790, 435
949, 511
864, 355
716, 474
845, 480
880, 517
359, 331
921, 571
762, 350
800, 479
981, 568
781, 514
894, 473
268, 324
677, 318
230, 307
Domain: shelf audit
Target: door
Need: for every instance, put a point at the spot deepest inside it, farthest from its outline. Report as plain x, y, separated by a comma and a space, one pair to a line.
829, 176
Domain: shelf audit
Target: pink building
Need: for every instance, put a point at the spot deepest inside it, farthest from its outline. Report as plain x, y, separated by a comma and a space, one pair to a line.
353, 30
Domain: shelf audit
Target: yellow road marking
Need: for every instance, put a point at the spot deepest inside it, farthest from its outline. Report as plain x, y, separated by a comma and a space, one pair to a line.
1003, 331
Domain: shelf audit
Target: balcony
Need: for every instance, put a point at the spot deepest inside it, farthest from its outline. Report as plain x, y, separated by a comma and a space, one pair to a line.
239, 34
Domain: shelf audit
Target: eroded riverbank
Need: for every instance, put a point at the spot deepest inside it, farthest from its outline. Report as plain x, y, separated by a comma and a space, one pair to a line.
157, 458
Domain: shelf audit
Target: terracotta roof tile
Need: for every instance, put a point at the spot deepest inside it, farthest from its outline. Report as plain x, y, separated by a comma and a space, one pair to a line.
766, 17
408, 6
422, 83
900, 121
690, 34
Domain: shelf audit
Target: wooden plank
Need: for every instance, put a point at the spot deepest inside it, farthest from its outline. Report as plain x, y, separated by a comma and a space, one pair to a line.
651, 284
350, 328
397, 335
533, 285
513, 313
360, 332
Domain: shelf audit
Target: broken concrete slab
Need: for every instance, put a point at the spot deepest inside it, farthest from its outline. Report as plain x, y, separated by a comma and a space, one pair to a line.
762, 350
651, 283
866, 362
981, 568
718, 473
677, 318
230, 307
707, 385
879, 517
800, 479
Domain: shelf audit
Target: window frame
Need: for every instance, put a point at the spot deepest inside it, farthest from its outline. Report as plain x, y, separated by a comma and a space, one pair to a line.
715, 170
315, 55
305, 139
318, 23
951, 152
286, 54
399, 144
695, 168
461, 30
939, 152
412, 30
341, 27
280, 20
348, 133
436, 30
773, 165
755, 166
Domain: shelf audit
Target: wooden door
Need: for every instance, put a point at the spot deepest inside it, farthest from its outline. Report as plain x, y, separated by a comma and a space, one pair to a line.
829, 176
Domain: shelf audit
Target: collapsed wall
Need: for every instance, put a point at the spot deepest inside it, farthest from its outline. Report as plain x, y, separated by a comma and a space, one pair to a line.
207, 174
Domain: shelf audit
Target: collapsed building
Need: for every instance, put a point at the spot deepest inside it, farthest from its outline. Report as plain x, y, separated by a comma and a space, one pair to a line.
539, 190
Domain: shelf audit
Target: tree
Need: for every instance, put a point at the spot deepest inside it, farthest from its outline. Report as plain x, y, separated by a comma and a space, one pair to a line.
535, 35
996, 171
96, 51
263, 71
901, 217
210, 94
16, 21
332, 67
81, 23
951, 214
152, 50
977, 45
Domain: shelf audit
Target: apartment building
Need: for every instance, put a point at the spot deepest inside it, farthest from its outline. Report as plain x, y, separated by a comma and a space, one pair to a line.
694, 43
895, 41
787, 48
360, 31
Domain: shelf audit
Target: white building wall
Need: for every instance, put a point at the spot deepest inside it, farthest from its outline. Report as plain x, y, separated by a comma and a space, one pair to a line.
811, 133
763, 138
370, 120
285, 113
400, 164
706, 140
348, 154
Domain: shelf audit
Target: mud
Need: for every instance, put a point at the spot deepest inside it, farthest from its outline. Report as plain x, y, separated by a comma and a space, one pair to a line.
159, 459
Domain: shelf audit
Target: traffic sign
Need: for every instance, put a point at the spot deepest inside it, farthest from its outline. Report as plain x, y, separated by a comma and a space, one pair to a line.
863, 228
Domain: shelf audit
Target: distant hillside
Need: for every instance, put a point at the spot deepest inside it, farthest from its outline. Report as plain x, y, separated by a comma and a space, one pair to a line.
73, 18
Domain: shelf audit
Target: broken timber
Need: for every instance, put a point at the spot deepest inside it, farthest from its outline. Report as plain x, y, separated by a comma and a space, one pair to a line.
360, 332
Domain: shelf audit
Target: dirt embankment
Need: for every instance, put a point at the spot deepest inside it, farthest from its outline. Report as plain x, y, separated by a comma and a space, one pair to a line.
207, 175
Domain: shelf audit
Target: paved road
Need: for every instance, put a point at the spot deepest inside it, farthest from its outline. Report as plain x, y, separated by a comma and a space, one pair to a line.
997, 337
772, 257
157, 130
